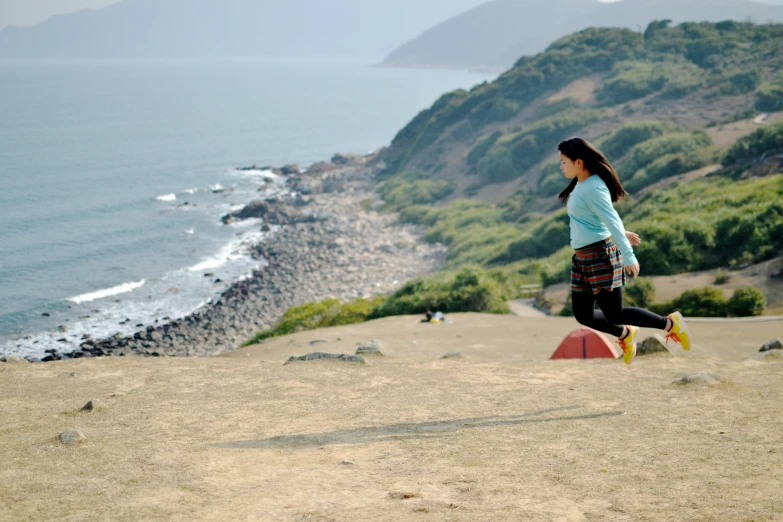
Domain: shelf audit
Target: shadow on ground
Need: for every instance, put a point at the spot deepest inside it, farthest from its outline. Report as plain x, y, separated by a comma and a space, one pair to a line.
420, 430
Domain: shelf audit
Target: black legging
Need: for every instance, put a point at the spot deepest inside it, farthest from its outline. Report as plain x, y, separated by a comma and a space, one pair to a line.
613, 315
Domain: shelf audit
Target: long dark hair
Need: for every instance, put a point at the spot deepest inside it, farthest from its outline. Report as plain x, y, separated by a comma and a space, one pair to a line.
595, 163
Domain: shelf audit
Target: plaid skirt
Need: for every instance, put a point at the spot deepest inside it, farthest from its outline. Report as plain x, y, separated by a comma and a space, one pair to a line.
596, 267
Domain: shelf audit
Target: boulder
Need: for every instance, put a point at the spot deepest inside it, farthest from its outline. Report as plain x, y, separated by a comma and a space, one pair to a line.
321, 355
374, 347
13, 359
321, 167
653, 344
71, 437
775, 344
254, 209
348, 159
290, 169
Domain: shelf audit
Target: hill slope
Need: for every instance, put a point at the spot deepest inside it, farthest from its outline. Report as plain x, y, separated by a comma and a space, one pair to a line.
206, 28
496, 34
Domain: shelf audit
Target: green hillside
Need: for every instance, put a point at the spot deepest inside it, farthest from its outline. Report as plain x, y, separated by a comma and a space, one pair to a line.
648, 99
656, 98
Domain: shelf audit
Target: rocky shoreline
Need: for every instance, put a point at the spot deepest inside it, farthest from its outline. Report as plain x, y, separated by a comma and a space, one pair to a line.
327, 244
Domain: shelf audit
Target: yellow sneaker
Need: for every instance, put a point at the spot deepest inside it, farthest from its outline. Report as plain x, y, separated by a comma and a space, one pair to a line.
629, 344
679, 332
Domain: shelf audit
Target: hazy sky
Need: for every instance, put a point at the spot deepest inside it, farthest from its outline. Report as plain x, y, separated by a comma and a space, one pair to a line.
30, 12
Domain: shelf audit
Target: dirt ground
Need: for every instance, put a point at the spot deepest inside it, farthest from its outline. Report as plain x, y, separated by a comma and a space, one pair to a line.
499, 434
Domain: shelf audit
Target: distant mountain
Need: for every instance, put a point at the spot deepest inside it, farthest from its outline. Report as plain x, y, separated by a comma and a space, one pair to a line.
496, 34
220, 28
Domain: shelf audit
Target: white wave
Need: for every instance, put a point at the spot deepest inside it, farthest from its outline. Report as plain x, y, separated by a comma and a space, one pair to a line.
190, 231
217, 187
108, 292
257, 173
190, 191
167, 197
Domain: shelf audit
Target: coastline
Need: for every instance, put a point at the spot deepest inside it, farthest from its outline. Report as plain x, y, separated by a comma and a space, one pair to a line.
326, 246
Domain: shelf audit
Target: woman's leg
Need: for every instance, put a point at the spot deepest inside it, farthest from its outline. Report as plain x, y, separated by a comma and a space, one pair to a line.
611, 304
586, 314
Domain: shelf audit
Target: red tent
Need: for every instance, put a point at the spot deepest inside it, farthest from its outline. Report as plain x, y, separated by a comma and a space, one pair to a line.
585, 343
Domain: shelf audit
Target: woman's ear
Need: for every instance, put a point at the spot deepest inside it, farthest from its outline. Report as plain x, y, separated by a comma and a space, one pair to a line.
580, 164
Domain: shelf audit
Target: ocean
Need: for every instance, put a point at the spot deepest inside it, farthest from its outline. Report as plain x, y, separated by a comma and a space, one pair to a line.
115, 175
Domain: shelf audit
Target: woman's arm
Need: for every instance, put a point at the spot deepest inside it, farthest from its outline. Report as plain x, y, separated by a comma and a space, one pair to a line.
600, 202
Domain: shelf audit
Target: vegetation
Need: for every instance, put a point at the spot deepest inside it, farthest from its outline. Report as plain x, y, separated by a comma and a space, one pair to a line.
713, 60
323, 314
468, 290
410, 188
710, 302
765, 141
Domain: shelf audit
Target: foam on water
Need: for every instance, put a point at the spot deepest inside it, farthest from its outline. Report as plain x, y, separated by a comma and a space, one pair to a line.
167, 197
107, 292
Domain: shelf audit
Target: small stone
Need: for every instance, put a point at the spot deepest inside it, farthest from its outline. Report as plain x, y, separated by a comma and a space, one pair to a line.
775, 344
71, 437
346, 463
13, 359
653, 344
91, 405
706, 378
317, 341
374, 347
452, 355
322, 355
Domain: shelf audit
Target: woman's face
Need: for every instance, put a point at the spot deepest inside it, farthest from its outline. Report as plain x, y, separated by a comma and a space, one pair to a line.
569, 168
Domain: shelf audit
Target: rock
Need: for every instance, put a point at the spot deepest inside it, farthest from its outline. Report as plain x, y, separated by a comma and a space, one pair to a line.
374, 347
322, 355
13, 359
653, 344
706, 378
321, 167
46, 314
317, 341
71, 437
254, 209
290, 169
452, 355
768, 354
775, 344
348, 159
91, 405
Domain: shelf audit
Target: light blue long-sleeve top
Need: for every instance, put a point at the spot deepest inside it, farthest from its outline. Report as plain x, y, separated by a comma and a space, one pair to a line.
593, 218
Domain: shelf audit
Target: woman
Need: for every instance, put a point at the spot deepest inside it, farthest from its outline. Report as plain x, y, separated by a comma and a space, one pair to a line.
603, 251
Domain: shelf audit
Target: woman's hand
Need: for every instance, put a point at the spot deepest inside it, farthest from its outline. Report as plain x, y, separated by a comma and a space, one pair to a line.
633, 269
633, 238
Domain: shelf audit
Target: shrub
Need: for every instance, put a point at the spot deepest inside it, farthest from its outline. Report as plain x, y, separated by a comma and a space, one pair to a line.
640, 293
741, 83
770, 97
766, 140
633, 80
747, 302
705, 302
322, 314
398, 193
482, 147
468, 290
620, 142
721, 277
